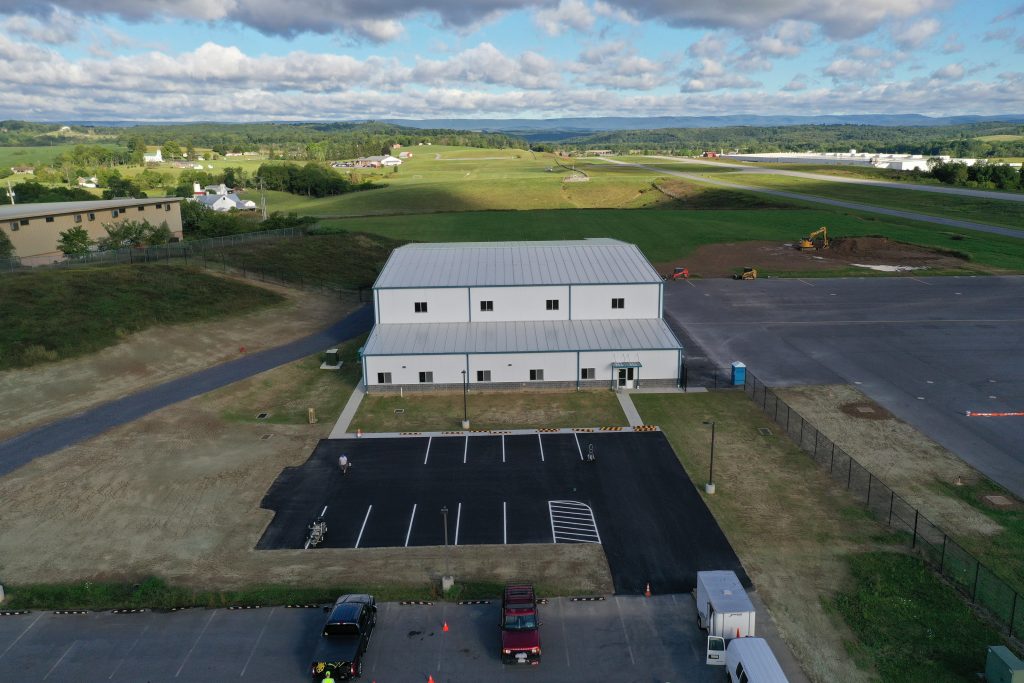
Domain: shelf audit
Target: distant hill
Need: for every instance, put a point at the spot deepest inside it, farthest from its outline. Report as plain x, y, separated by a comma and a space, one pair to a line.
557, 129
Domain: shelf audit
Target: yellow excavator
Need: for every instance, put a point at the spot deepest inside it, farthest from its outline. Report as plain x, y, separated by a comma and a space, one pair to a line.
809, 244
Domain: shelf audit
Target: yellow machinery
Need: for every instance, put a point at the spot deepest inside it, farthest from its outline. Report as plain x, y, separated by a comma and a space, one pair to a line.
749, 273
808, 243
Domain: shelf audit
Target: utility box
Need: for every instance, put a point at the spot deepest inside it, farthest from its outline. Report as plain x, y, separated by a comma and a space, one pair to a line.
1002, 666
739, 374
331, 356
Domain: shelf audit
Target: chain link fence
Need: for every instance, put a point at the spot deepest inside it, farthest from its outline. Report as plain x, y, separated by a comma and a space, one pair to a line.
951, 560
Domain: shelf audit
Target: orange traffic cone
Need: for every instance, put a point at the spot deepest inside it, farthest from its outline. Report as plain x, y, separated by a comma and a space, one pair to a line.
430, 679
737, 631
445, 629
647, 590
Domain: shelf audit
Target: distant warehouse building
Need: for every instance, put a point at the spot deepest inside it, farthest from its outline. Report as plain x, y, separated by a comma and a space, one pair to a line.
34, 229
505, 315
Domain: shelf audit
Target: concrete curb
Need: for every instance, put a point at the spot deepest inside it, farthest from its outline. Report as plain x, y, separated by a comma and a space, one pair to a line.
501, 432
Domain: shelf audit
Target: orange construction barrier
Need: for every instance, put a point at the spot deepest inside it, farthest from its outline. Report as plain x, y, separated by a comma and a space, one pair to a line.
973, 413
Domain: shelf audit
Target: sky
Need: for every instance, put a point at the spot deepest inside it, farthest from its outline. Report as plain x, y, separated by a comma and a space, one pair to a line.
252, 60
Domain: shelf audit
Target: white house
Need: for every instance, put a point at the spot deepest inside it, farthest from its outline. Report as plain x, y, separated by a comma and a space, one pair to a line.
224, 202
153, 157
570, 314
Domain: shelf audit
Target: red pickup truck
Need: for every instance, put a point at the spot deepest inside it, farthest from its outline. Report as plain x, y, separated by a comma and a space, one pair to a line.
520, 634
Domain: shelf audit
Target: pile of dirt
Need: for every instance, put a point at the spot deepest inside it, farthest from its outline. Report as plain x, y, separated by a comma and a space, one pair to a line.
722, 260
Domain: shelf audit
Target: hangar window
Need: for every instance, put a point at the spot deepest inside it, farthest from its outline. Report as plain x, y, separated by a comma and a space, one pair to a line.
426, 378
486, 305
552, 304
483, 375
24, 221
78, 218
383, 378
114, 213
536, 375
142, 208
167, 207
420, 306
588, 373
92, 216
14, 226
618, 303
49, 219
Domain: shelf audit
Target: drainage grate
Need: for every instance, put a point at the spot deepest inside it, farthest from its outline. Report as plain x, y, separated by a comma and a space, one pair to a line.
263, 416
265, 437
764, 431
865, 409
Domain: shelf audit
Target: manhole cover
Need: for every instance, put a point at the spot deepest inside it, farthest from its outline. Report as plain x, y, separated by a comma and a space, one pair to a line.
998, 501
399, 411
265, 437
865, 409
263, 416
764, 431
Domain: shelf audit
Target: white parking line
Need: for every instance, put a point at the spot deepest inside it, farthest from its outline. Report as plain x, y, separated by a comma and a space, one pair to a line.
458, 518
429, 439
465, 450
805, 282
409, 532
541, 442
134, 643
57, 663
572, 522
324, 511
629, 646
577, 437
360, 537
256, 644
504, 522
503, 448
213, 613
8, 649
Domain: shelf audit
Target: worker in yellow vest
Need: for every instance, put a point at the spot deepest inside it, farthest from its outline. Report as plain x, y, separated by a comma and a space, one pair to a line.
327, 677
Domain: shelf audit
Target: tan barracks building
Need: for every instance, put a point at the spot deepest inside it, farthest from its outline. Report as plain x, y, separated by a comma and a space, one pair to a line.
34, 229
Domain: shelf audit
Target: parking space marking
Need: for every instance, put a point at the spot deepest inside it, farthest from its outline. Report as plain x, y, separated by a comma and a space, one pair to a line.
629, 646
504, 522
565, 639
409, 532
458, 518
123, 659
198, 638
503, 448
8, 649
57, 663
577, 437
465, 450
427, 456
256, 644
541, 442
572, 522
363, 527
324, 511
805, 282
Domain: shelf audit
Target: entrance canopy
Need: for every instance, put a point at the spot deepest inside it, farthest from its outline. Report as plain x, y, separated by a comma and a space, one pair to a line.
629, 364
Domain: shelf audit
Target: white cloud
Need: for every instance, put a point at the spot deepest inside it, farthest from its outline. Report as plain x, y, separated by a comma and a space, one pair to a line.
1017, 11
950, 72
797, 84
998, 34
488, 65
917, 33
711, 45
714, 75
952, 44
58, 28
569, 14
616, 65
616, 14
852, 70
378, 30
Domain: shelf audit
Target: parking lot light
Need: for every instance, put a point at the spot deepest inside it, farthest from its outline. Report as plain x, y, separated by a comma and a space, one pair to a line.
709, 488
465, 400
444, 521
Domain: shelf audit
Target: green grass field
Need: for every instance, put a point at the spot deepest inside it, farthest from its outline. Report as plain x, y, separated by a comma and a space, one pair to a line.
667, 235
51, 315
30, 156
1000, 138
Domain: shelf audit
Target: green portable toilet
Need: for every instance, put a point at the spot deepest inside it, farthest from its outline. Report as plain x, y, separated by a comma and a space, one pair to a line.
1002, 666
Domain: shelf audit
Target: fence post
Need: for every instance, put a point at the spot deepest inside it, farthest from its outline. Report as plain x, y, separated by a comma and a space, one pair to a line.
788, 411
892, 497
816, 433
849, 471
913, 543
764, 404
942, 557
776, 418
1013, 612
801, 442
870, 477
832, 463
974, 591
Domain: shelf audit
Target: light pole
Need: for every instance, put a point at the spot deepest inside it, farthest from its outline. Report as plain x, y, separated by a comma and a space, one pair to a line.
446, 580
465, 400
709, 488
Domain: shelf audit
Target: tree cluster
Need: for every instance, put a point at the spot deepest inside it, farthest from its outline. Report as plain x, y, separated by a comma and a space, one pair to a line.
999, 176
31, 192
311, 180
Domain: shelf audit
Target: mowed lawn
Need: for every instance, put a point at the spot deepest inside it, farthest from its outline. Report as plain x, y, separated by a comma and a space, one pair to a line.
50, 315
666, 235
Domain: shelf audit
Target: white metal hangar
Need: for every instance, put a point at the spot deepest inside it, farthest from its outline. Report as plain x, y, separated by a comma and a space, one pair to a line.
507, 315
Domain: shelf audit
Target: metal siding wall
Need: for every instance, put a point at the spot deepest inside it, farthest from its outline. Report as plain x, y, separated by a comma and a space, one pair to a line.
557, 367
443, 305
520, 303
594, 302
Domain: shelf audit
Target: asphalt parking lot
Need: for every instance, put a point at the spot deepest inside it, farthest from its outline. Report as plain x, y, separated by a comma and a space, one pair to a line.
928, 349
635, 500
620, 639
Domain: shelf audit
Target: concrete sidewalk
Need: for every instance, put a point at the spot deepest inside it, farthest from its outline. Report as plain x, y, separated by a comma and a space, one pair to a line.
632, 415
345, 419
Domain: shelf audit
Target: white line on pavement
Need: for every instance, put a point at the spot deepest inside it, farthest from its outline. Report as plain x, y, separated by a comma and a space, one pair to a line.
256, 644
503, 448
577, 437
458, 518
324, 511
629, 646
805, 282
57, 663
427, 456
504, 522
359, 538
409, 532
541, 442
465, 450
213, 613
122, 660
19, 637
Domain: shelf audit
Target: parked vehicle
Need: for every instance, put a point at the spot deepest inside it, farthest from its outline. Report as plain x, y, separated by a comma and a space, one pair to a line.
344, 638
724, 610
520, 625
750, 660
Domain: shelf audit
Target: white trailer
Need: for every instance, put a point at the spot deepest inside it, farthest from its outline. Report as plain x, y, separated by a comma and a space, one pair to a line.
751, 660
724, 609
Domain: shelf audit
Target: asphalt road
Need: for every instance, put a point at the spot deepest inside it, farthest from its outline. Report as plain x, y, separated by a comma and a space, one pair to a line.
635, 500
909, 215
620, 639
962, 191
927, 349
24, 448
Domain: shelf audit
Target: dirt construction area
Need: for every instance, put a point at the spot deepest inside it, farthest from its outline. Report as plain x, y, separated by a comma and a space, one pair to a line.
868, 253
156, 355
177, 494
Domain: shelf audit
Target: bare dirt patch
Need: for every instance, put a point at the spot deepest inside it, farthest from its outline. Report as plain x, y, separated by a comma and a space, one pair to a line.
902, 457
865, 410
33, 396
177, 495
722, 260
